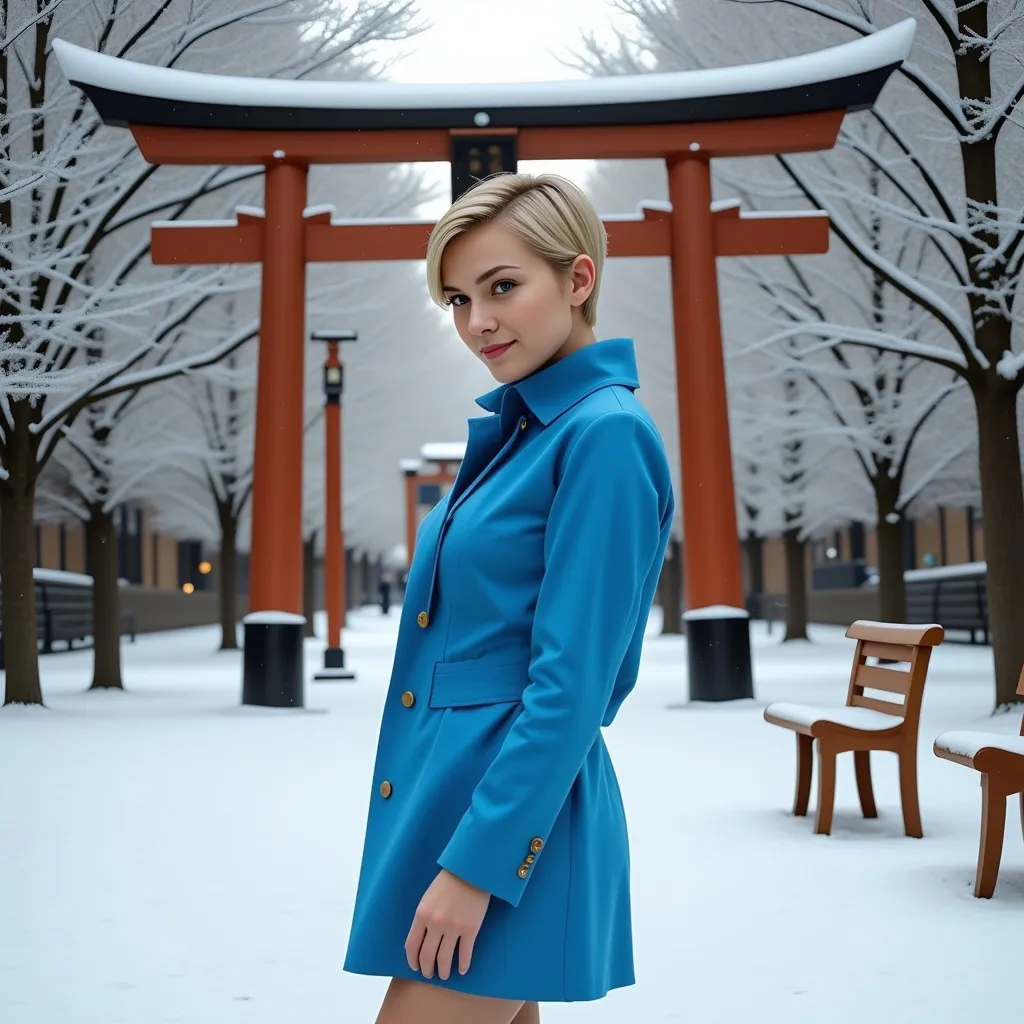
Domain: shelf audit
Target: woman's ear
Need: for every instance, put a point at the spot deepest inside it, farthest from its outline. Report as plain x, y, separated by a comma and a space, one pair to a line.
582, 279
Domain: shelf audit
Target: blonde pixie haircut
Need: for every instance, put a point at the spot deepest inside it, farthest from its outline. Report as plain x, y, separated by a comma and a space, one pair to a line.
548, 212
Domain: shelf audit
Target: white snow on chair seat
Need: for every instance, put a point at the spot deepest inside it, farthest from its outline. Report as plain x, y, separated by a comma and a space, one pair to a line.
968, 742
893, 627
854, 718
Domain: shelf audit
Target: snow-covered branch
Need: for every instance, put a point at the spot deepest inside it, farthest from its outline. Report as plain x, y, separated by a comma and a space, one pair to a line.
930, 299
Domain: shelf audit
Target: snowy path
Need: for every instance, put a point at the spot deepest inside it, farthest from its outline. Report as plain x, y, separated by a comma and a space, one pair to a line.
166, 855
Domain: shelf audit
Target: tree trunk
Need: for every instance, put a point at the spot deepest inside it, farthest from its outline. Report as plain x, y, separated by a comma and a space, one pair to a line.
1002, 497
101, 545
891, 536
995, 398
309, 583
227, 577
796, 586
753, 550
17, 547
670, 590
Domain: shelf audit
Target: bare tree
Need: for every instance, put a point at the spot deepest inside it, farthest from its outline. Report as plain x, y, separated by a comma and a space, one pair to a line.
946, 137
74, 201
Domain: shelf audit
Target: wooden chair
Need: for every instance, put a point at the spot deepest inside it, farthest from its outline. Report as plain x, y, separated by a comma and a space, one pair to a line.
1000, 759
865, 723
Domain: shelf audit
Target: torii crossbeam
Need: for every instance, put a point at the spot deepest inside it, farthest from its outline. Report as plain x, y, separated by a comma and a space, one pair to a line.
685, 118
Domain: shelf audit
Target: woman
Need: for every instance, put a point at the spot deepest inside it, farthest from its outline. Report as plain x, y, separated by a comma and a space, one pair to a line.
495, 872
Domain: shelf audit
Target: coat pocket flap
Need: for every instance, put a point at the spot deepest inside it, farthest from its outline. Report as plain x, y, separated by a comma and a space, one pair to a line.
493, 679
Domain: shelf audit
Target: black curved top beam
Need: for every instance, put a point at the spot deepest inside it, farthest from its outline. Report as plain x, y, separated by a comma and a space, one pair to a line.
846, 77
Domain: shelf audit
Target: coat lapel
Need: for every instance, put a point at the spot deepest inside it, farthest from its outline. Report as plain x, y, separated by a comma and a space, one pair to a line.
483, 442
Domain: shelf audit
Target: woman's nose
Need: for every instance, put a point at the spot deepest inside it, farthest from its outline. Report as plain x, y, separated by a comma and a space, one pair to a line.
481, 320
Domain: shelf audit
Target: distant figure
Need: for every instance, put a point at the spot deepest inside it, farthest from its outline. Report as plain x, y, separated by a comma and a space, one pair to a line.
384, 593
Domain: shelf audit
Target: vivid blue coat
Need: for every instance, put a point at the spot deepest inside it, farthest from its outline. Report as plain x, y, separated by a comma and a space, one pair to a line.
520, 637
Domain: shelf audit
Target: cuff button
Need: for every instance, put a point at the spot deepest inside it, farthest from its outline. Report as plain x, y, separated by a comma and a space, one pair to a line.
536, 845
523, 871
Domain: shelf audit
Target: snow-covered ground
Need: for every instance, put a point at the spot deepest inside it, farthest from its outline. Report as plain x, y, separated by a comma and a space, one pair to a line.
167, 855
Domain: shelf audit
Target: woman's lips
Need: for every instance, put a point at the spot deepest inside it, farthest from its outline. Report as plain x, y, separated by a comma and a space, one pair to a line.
493, 351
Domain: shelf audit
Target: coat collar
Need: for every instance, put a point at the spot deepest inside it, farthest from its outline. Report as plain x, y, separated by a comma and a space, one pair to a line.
550, 392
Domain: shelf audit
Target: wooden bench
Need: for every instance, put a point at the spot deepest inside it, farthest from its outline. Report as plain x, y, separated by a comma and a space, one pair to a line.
958, 600
1000, 759
866, 722
64, 611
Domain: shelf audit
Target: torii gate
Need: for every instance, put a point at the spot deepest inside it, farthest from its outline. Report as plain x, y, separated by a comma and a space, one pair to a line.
685, 118
447, 457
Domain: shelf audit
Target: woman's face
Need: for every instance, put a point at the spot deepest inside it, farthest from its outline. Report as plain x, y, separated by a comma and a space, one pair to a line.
513, 310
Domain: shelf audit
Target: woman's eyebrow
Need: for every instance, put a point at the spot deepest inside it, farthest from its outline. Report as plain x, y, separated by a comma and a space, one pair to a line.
482, 277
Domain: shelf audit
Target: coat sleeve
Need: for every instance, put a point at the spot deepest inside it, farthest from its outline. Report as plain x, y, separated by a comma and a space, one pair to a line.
603, 539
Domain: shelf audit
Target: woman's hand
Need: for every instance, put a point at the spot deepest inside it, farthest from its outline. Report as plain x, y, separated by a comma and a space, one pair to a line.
450, 912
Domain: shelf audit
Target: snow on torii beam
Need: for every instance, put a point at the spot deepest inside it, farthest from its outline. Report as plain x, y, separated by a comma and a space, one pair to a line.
686, 118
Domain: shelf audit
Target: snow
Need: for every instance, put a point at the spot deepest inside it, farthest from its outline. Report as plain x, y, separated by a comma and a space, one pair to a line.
946, 571
968, 742
339, 335
170, 856
896, 626
199, 222
855, 718
62, 576
317, 210
886, 47
274, 618
715, 611
783, 214
410, 465
1009, 365
443, 451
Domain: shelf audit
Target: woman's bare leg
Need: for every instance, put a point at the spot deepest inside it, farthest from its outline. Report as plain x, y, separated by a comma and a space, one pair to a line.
529, 1014
416, 1002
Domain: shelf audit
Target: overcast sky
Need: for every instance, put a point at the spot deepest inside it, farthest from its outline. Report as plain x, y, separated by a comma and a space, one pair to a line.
501, 41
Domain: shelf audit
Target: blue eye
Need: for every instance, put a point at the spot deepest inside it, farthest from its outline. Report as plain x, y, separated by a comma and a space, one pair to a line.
454, 300
511, 285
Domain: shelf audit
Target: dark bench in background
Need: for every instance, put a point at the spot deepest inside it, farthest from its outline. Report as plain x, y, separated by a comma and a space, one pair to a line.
64, 611
956, 596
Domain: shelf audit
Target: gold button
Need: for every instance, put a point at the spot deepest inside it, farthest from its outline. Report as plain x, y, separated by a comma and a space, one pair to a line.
522, 423
530, 858
385, 789
537, 845
408, 698
422, 620
523, 871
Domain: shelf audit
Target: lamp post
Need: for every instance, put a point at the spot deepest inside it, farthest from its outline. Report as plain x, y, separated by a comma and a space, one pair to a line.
334, 534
